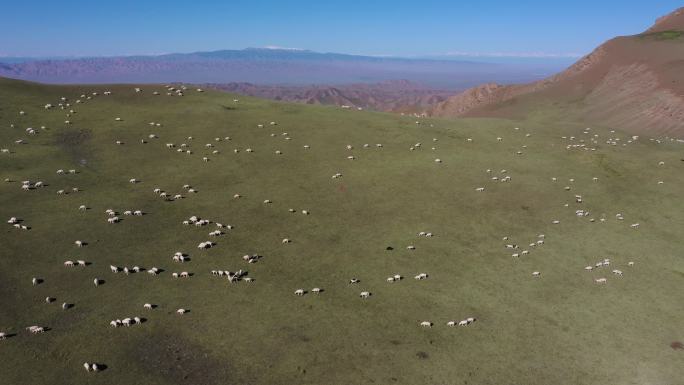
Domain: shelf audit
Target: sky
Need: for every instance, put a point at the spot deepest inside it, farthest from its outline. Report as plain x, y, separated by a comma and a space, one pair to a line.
494, 28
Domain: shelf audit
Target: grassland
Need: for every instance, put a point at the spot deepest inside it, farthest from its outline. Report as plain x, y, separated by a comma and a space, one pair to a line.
561, 328
663, 35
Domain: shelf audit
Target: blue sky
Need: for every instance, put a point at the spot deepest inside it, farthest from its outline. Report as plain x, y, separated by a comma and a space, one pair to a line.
372, 27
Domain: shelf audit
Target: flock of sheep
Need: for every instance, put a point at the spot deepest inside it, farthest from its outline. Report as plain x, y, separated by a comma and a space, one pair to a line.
236, 276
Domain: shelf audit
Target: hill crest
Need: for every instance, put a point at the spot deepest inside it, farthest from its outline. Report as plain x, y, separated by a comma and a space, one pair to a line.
635, 81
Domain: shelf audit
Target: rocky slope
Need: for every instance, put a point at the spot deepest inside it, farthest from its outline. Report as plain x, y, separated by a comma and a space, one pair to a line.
391, 96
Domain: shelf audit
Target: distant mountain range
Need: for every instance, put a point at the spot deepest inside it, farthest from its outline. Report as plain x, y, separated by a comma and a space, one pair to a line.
394, 96
631, 82
272, 66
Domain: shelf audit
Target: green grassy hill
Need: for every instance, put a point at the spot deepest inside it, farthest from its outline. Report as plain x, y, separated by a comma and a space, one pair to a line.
560, 328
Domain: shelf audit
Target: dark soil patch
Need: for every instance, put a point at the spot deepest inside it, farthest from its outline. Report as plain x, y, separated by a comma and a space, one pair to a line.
73, 137
182, 362
676, 345
73, 141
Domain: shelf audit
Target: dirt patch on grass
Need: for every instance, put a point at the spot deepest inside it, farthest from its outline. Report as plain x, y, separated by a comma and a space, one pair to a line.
180, 361
72, 141
73, 137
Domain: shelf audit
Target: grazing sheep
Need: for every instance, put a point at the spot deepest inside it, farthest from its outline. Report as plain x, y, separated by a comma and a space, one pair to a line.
316, 290
600, 280
36, 329
205, 245
87, 365
96, 282
300, 292
426, 324
365, 294
181, 311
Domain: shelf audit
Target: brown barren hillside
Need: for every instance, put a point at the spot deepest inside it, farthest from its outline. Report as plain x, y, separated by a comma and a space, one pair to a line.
391, 96
634, 82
